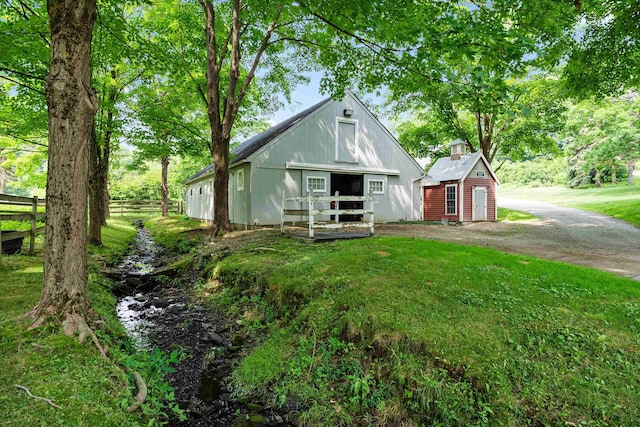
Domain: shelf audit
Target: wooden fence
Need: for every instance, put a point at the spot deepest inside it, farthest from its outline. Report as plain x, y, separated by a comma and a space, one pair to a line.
334, 211
123, 207
21, 209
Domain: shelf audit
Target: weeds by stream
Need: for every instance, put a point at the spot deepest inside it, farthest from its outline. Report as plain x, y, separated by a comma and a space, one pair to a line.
160, 313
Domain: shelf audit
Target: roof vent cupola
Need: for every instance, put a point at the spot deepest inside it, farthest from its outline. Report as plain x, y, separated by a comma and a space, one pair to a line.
458, 149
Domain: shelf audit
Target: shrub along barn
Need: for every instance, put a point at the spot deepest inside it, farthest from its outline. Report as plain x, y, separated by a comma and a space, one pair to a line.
469, 175
333, 146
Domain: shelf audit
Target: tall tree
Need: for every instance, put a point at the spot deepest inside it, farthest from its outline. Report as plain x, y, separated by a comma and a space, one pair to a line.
167, 122
72, 105
239, 67
605, 55
223, 99
467, 69
602, 137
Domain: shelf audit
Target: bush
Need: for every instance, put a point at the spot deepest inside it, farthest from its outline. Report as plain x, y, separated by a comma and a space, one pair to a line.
534, 173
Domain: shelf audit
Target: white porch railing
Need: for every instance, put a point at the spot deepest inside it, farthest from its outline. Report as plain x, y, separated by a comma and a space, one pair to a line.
314, 210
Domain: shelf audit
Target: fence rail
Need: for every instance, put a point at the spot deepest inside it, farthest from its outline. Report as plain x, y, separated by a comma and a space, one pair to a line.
314, 210
23, 214
123, 207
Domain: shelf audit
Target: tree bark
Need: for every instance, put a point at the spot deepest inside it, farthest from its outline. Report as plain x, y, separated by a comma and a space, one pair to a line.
96, 199
630, 168
72, 105
614, 175
221, 122
164, 187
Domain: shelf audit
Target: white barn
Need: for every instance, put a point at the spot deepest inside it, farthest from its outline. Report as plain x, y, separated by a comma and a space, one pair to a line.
333, 146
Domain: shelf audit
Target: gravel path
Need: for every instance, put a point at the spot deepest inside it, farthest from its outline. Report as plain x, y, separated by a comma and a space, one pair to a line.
561, 234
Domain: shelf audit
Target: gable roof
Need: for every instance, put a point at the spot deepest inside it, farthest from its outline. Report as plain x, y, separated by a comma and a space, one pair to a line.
446, 169
255, 143
252, 145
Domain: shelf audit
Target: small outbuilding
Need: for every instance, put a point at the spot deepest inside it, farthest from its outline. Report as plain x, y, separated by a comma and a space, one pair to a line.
335, 146
460, 188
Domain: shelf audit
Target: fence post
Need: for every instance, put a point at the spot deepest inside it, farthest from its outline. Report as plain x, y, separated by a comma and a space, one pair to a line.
371, 206
34, 216
337, 206
310, 202
282, 214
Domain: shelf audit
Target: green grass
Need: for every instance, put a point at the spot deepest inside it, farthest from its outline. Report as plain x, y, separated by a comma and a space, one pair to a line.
400, 331
505, 214
175, 233
620, 201
92, 391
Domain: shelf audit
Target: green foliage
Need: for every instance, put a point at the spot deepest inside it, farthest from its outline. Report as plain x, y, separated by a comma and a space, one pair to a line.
91, 390
386, 331
177, 234
601, 139
534, 173
604, 58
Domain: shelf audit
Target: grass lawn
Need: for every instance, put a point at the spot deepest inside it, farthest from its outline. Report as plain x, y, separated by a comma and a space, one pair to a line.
399, 331
505, 214
620, 201
90, 390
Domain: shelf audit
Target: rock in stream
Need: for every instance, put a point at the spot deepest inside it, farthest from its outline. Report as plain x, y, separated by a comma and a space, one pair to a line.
160, 315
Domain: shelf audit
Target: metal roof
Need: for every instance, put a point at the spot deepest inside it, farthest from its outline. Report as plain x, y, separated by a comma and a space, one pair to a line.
446, 169
252, 145
255, 143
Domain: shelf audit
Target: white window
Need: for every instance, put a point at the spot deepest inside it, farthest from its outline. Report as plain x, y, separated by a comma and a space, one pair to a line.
316, 184
376, 186
240, 180
451, 199
480, 173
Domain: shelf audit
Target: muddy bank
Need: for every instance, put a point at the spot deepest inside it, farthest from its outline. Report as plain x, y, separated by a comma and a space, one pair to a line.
158, 313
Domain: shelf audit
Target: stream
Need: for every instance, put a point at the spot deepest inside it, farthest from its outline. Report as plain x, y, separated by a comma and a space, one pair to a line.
157, 313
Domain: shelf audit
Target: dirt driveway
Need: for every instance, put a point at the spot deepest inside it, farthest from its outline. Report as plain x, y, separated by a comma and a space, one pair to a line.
561, 234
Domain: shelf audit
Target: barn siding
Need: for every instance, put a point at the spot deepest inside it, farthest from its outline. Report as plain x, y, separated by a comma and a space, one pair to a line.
313, 141
434, 203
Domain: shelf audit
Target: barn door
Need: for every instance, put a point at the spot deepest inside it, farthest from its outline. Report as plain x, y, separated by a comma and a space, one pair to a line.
346, 141
479, 204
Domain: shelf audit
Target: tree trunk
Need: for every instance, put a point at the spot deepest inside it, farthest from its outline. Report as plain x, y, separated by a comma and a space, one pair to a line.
630, 168
96, 199
596, 178
614, 176
164, 188
71, 106
221, 185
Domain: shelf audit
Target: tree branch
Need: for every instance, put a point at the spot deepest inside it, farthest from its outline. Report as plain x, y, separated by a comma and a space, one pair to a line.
23, 85
256, 59
49, 401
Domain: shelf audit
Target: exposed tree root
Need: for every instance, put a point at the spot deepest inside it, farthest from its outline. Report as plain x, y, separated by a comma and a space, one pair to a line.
76, 324
142, 392
49, 401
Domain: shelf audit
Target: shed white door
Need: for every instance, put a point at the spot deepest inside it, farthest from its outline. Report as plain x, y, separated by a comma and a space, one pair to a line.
479, 204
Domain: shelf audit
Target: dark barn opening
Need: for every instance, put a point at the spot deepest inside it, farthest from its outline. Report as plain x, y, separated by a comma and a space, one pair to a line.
348, 185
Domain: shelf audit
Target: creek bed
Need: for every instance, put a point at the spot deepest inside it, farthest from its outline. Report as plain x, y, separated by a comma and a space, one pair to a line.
158, 313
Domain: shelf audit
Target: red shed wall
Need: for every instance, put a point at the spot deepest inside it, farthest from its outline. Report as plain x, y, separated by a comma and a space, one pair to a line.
434, 203
469, 184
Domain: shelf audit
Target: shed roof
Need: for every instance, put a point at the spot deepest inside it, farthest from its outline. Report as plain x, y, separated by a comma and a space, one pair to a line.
446, 169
